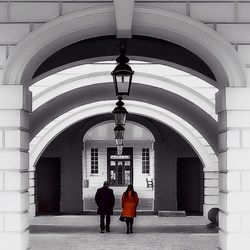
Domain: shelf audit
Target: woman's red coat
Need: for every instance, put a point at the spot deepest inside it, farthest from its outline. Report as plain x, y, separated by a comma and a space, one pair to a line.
129, 204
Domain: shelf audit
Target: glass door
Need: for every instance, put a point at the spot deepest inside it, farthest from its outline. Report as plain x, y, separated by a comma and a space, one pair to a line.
120, 171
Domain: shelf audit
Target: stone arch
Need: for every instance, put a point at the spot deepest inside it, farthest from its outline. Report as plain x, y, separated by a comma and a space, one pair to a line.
207, 158
102, 107
191, 34
199, 119
140, 78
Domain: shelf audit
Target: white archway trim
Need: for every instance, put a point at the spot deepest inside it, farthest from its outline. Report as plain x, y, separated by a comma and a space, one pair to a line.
140, 78
195, 36
53, 129
157, 69
147, 21
149, 134
54, 35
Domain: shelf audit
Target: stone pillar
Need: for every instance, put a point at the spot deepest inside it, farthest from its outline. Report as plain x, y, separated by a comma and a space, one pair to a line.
211, 190
32, 203
14, 145
233, 108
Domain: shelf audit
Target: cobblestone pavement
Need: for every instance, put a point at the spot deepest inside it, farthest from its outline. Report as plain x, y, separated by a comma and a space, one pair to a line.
150, 232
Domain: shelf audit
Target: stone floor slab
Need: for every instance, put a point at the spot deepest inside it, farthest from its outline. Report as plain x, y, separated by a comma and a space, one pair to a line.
150, 233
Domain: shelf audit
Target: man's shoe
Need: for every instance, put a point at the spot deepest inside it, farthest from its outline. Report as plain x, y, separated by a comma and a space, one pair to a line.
127, 231
131, 231
102, 231
108, 230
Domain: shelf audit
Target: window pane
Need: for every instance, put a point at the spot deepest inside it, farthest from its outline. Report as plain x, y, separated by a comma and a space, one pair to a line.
145, 160
94, 160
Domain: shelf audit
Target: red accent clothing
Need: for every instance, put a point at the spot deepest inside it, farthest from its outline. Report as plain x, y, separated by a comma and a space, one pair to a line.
129, 204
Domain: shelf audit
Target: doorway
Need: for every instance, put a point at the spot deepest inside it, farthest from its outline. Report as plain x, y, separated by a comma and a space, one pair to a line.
190, 185
120, 167
48, 170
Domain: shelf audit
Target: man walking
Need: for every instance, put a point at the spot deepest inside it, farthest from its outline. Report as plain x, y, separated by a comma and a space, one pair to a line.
105, 200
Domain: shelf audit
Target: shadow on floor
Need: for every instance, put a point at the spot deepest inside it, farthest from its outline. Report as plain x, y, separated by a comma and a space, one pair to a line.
66, 229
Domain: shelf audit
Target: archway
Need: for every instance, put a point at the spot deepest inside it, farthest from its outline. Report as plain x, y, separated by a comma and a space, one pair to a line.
72, 169
129, 168
208, 159
216, 52
170, 26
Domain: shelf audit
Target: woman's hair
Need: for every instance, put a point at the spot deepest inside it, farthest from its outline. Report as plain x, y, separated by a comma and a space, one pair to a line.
129, 188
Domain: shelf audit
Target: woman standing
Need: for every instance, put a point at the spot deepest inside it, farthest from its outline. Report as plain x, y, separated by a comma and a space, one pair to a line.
130, 201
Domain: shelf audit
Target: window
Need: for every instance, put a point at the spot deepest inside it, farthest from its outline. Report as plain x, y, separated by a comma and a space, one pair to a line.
145, 160
94, 160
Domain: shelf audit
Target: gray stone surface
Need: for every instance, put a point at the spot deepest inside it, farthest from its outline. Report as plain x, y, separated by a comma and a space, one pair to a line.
150, 232
171, 213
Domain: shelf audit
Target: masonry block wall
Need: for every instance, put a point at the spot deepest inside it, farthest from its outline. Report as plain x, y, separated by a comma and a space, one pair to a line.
228, 18
14, 180
234, 169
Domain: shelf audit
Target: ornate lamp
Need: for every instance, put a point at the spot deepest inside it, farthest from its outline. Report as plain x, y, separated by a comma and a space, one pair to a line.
122, 74
120, 113
119, 132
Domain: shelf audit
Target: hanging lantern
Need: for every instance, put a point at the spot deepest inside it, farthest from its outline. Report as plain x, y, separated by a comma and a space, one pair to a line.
119, 132
120, 113
122, 74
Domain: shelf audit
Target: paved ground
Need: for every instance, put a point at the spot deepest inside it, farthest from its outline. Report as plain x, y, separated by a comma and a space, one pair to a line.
150, 233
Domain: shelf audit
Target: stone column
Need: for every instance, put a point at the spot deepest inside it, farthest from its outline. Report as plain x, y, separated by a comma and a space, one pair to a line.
14, 145
233, 108
32, 203
211, 190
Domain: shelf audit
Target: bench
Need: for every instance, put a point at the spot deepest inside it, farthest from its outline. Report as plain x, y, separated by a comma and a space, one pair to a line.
149, 183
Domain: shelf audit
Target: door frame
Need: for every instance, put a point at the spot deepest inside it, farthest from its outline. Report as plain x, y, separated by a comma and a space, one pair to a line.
126, 151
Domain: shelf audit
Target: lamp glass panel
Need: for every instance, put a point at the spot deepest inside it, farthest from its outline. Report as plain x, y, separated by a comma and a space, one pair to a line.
120, 118
123, 84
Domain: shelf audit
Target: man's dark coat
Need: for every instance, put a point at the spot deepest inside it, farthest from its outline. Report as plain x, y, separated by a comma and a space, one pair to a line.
105, 200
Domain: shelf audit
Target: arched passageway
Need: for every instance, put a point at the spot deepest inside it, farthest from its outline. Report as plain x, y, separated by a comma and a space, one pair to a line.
203, 42
167, 164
